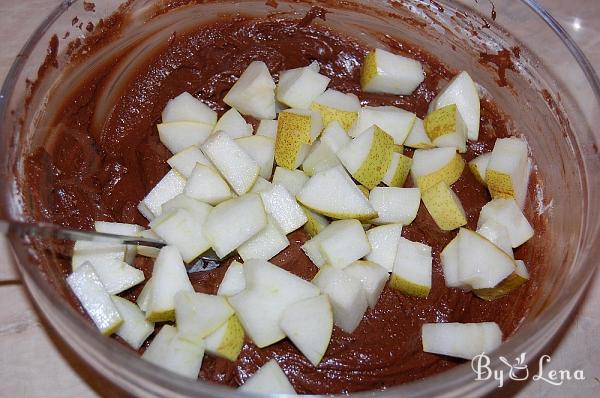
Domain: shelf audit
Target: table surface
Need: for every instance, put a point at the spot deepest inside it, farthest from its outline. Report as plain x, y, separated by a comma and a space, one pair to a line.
35, 362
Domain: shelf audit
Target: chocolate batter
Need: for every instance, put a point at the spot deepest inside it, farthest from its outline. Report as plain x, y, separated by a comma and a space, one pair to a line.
90, 172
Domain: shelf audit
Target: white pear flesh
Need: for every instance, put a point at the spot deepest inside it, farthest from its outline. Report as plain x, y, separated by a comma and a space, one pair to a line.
177, 136
335, 137
143, 299
118, 228
171, 185
497, 234
267, 128
117, 276
506, 212
346, 245
227, 341
261, 185
266, 244
199, 210
147, 251
412, 268
283, 208
262, 150
234, 280
461, 340
372, 276
233, 124
335, 106
312, 247
386, 72
507, 173
184, 162
135, 329
206, 184
384, 244
395, 205
187, 108
417, 138
449, 262
397, 171
292, 180
269, 379
430, 166
96, 253
198, 314
394, 121
298, 88
253, 94
320, 157
316, 222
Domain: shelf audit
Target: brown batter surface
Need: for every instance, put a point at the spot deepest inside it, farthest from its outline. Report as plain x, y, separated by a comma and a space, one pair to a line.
86, 173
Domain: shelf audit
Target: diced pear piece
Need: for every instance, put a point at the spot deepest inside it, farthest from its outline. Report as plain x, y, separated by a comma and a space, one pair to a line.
262, 150
227, 341
346, 244
187, 108
372, 276
143, 299
449, 262
384, 244
266, 244
446, 128
335, 137
316, 222
121, 229
385, 72
234, 280
177, 136
269, 379
117, 276
296, 129
431, 166
94, 299
283, 208
169, 277
253, 93
198, 314
478, 167
418, 138
171, 185
267, 128
463, 92
135, 329
269, 291
299, 87
461, 340
507, 173
346, 294
234, 164
334, 194
312, 247
184, 162
444, 207
233, 124
481, 264
365, 191
412, 268
336, 106
368, 156
206, 185
513, 281
147, 251
309, 324
233, 222
292, 180
196, 208
96, 253
183, 230
394, 121
497, 234
261, 185
159, 346
506, 212
397, 171
320, 157
395, 205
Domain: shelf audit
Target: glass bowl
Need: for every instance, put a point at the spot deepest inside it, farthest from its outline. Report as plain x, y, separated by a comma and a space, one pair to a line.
550, 92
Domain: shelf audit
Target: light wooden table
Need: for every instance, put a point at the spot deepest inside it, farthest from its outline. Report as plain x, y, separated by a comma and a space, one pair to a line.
34, 362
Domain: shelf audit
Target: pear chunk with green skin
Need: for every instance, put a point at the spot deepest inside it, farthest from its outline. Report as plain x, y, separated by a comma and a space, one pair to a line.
120, 229
478, 167
368, 156
394, 121
397, 171
346, 244
233, 222
171, 185
334, 194
233, 124
320, 157
262, 150
513, 281
385, 72
267, 128
384, 244
206, 185
184, 162
446, 128
169, 277
372, 276
253, 93
266, 244
283, 208
292, 180
461, 340
269, 379
234, 164
506, 212
234, 280
296, 130
177, 136
412, 268
227, 341
335, 137
336, 106
316, 222
444, 207
198, 314
507, 173
346, 294
481, 264
135, 328
431, 166
309, 324
449, 261
312, 247
95, 300
187, 108
418, 138
463, 92
299, 87
395, 205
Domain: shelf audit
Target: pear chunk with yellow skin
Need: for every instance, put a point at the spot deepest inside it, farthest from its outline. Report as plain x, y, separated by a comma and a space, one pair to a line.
417, 138
412, 268
394, 121
296, 130
478, 167
316, 222
513, 281
431, 166
385, 72
227, 341
368, 156
446, 128
336, 106
397, 171
507, 172
444, 206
